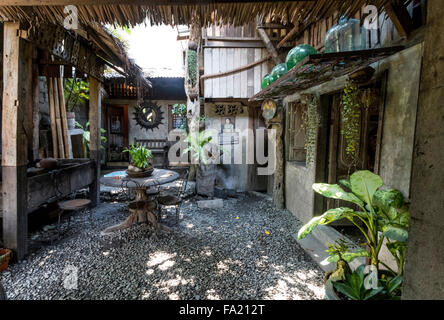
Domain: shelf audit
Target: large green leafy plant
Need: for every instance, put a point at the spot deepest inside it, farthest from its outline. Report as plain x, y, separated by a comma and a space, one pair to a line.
380, 215
87, 137
76, 93
199, 144
140, 156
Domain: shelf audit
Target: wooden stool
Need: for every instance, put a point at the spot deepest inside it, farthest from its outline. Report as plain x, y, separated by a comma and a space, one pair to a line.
72, 205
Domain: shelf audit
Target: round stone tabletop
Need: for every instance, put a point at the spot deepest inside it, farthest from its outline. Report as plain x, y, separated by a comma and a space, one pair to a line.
121, 179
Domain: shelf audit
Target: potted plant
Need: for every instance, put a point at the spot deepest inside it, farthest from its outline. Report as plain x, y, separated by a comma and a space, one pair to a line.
141, 161
202, 150
383, 218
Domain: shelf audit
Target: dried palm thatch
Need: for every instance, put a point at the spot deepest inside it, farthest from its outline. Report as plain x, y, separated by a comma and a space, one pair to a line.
175, 12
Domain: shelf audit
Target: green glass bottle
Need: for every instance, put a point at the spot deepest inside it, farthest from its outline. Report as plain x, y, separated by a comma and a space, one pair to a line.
297, 54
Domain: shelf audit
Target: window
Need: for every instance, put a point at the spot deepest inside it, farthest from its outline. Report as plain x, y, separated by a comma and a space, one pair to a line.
296, 132
177, 121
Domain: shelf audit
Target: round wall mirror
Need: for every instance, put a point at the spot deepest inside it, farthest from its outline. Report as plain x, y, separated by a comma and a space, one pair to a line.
148, 115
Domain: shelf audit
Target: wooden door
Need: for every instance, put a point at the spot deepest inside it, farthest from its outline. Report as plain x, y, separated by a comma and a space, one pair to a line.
117, 132
340, 164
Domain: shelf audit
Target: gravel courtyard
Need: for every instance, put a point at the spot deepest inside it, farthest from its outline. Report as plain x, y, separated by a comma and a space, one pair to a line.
245, 250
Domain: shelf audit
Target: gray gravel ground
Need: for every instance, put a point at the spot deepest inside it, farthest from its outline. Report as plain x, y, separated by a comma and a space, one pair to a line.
245, 250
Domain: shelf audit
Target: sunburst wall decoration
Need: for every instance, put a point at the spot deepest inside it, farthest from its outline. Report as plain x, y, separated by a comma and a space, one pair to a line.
148, 115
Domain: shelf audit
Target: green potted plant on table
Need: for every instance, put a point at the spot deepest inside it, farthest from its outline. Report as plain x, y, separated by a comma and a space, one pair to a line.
383, 218
141, 161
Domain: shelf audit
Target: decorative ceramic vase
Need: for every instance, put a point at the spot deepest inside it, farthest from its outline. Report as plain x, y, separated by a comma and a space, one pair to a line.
297, 54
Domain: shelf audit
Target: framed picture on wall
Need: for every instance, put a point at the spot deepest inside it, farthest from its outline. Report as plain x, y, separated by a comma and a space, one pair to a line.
227, 134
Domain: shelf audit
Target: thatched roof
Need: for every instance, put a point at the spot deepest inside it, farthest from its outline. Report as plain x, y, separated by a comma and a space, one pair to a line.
176, 12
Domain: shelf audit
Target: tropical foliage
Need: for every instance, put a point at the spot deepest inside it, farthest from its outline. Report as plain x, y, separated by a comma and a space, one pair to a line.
199, 144
140, 155
76, 93
87, 136
380, 215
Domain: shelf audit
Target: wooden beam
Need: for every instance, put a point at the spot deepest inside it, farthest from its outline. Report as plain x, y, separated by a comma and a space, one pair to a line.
95, 105
288, 36
400, 18
17, 59
271, 49
240, 69
122, 2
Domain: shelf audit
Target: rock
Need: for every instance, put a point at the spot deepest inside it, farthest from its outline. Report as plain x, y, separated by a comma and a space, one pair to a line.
210, 204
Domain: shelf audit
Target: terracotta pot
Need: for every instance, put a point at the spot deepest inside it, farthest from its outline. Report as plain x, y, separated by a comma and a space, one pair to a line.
5, 255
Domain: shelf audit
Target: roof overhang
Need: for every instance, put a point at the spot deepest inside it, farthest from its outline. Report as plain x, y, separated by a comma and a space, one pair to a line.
319, 68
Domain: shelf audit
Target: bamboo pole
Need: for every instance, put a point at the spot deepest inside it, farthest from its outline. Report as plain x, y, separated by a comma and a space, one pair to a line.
55, 149
63, 116
58, 119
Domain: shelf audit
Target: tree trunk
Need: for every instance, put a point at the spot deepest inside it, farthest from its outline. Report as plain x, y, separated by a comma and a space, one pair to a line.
205, 178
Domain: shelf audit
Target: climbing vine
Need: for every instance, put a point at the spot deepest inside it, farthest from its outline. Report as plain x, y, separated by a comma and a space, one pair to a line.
312, 122
192, 67
351, 120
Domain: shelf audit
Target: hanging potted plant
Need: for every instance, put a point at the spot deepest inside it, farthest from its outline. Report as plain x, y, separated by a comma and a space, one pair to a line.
383, 219
141, 161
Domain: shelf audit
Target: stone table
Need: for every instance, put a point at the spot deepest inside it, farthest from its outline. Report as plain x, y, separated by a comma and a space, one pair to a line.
142, 210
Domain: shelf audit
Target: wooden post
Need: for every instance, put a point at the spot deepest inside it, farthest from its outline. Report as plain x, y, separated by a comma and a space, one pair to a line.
17, 95
277, 123
58, 119
63, 115
55, 148
94, 129
35, 109
193, 102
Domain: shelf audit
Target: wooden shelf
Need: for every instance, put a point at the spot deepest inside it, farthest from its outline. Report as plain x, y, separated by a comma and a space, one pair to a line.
319, 68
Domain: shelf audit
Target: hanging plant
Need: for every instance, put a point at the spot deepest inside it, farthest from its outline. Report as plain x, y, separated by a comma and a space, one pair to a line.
192, 67
312, 121
351, 120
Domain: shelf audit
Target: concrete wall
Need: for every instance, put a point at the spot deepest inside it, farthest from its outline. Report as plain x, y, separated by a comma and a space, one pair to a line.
232, 176
134, 130
299, 196
399, 117
424, 265
397, 136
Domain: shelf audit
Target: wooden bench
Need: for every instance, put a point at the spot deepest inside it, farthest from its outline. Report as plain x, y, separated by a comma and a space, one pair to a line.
157, 147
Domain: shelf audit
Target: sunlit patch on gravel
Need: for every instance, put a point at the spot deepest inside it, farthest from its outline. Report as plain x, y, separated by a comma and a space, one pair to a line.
209, 255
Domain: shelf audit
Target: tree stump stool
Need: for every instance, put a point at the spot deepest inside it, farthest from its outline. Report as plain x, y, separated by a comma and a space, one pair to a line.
72, 206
